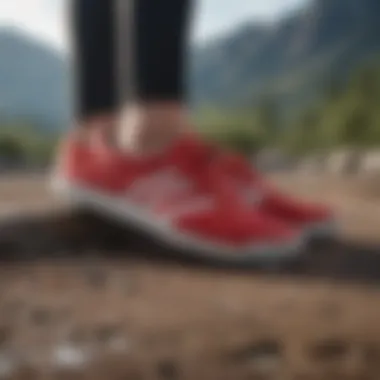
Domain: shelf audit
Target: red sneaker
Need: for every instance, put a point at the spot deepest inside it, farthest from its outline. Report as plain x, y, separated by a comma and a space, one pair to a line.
180, 197
316, 220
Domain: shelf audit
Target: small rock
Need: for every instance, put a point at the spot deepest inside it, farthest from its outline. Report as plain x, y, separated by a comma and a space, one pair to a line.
105, 334
371, 354
112, 338
167, 370
41, 316
5, 336
329, 350
69, 356
263, 357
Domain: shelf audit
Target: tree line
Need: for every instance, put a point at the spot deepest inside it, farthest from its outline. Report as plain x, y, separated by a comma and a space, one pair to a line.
346, 114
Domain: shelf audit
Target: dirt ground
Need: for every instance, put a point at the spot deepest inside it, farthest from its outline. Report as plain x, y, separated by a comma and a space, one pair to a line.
81, 298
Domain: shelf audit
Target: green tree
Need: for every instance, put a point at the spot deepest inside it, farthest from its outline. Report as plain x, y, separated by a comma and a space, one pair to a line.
268, 118
10, 148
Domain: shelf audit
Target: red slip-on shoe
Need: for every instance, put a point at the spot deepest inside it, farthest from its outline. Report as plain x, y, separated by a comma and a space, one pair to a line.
179, 197
316, 220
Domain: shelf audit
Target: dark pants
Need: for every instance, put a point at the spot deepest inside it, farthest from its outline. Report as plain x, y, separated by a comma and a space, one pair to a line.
128, 50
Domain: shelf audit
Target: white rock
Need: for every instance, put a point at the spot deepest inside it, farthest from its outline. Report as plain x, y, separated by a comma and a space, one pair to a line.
70, 356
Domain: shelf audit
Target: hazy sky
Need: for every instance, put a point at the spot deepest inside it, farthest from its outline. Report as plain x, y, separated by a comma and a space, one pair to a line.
46, 18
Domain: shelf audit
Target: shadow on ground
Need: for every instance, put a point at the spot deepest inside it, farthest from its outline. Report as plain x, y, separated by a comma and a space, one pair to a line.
72, 236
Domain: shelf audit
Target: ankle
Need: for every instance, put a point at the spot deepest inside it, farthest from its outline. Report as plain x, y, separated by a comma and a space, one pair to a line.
151, 127
85, 126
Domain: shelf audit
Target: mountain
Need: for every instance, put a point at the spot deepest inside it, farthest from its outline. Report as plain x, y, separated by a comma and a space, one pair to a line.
289, 60
33, 81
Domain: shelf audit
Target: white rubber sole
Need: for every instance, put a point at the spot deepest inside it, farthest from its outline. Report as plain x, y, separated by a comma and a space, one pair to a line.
128, 213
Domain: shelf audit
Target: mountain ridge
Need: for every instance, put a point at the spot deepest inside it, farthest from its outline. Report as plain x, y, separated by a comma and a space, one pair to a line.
290, 60
326, 38
34, 83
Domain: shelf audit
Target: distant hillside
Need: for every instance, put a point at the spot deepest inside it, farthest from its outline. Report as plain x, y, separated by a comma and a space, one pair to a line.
33, 81
290, 60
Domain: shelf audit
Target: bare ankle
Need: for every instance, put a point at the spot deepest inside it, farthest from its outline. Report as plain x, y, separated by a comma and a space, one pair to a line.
151, 127
84, 127
89, 123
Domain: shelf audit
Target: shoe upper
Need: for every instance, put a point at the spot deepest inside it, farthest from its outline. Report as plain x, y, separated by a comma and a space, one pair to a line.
274, 201
260, 194
184, 187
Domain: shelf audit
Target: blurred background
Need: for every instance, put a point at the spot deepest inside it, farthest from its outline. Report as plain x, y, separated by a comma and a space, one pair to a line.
294, 84
300, 77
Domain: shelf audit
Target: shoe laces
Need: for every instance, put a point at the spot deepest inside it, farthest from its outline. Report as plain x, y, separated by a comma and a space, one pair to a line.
204, 164
228, 162
235, 166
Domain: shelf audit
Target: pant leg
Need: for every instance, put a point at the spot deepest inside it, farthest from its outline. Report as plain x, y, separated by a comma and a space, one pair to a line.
93, 40
155, 57
155, 34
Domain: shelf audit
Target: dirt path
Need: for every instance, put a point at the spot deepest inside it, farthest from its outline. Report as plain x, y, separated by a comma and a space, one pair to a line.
83, 299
